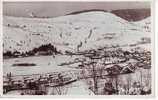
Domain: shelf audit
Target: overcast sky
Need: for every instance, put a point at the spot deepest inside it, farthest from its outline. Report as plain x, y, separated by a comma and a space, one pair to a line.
53, 9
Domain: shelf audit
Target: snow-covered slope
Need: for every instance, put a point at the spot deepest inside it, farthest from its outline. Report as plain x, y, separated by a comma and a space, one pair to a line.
85, 31
145, 24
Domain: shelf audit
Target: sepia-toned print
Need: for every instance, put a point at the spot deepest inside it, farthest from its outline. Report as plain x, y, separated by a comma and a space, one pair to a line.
77, 48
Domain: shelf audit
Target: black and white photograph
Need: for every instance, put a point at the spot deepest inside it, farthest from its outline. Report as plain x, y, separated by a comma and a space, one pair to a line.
77, 48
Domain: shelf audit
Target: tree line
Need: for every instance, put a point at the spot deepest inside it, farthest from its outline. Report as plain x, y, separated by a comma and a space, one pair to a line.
45, 49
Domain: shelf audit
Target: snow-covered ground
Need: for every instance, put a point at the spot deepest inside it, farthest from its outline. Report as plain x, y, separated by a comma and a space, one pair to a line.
76, 88
145, 24
91, 29
44, 64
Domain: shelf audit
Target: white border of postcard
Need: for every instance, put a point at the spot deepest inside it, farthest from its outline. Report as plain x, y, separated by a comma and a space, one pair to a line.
83, 96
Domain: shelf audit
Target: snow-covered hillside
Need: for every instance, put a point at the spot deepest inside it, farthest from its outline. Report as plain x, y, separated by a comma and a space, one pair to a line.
145, 24
83, 31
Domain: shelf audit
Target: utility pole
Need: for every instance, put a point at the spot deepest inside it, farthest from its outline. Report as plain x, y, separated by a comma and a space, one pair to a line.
94, 71
94, 75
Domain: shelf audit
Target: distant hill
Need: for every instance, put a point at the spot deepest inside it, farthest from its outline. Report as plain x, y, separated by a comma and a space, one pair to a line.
132, 14
84, 11
127, 14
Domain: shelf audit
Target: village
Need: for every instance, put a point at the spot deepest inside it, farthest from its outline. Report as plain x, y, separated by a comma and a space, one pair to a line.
105, 71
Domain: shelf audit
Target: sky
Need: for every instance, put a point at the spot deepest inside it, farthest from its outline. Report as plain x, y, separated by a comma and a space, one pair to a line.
54, 9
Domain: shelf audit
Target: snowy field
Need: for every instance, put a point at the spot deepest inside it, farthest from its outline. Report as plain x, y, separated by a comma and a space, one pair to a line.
44, 64
76, 88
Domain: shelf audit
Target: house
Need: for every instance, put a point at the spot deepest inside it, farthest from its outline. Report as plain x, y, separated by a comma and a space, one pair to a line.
109, 89
128, 69
114, 70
